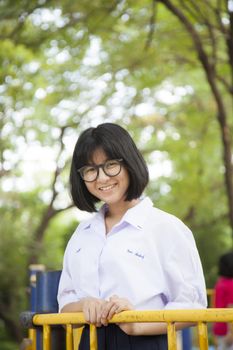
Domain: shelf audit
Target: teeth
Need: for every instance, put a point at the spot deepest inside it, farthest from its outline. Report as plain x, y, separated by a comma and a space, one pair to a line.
106, 188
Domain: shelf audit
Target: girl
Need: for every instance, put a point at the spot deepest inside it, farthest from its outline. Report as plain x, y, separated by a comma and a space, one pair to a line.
129, 255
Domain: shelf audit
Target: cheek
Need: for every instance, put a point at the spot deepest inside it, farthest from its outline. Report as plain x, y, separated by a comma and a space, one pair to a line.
125, 178
89, 186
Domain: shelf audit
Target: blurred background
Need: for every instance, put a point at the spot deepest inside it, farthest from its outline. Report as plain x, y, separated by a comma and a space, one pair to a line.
163, 69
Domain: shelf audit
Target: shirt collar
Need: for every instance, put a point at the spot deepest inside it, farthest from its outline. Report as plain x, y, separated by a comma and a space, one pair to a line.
96, 219
135, 216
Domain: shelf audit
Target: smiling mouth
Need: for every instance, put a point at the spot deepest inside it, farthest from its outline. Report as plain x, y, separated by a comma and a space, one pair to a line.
107, 188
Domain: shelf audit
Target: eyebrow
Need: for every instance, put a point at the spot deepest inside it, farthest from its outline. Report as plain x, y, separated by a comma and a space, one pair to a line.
94, 165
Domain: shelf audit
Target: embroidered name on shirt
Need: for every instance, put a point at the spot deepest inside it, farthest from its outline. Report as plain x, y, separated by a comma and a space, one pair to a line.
141, 256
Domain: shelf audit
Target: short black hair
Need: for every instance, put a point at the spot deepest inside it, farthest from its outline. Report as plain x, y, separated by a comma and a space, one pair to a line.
226, 265
117, 143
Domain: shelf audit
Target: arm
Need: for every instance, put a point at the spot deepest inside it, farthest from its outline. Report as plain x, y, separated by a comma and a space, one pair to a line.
116, 305
76, 306
184, 280
153, 328
185, 284
73, 299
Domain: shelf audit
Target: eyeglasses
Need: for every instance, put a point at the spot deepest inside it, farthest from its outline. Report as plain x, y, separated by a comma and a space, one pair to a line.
90, 173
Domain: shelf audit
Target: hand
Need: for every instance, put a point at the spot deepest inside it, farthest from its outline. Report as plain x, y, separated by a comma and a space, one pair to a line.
92, 309
114, 306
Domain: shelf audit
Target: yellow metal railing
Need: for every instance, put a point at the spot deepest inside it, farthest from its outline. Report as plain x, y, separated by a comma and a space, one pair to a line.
210, 295
199, 318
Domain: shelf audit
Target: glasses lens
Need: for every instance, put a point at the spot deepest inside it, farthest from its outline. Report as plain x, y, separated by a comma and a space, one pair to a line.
112, 167
88, 173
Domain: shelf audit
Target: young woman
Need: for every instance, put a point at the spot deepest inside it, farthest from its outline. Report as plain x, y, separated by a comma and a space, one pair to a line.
129, 255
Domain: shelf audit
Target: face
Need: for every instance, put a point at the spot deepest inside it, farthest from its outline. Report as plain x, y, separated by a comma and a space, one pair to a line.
111, 190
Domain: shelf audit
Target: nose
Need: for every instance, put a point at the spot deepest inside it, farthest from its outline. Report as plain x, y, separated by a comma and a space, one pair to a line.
102, 176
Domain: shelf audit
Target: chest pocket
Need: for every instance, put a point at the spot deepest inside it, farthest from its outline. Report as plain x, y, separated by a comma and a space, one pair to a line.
135, 253
125, 254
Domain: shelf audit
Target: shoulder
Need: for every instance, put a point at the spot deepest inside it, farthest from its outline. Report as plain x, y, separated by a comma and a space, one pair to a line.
167, 221
165, 228
81, 228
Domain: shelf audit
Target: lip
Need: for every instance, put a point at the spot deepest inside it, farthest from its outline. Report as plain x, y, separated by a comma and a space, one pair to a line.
106, 188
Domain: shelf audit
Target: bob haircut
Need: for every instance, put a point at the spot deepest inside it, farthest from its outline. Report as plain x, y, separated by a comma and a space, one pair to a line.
116, 143
226, 265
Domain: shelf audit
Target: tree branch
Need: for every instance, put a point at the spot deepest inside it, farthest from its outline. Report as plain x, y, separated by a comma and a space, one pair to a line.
50, 211
152, 25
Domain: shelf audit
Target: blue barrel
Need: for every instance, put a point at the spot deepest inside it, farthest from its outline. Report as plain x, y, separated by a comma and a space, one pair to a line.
46, 302
33, 269
46, 291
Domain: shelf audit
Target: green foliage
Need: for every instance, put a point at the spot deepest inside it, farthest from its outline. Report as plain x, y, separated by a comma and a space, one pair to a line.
57, 236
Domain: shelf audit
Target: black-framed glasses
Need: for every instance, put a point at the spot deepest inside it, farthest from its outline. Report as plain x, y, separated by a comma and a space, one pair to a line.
89, 173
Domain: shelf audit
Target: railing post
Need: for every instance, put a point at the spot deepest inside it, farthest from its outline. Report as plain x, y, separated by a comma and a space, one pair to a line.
32, 337
171, 336
93, 338
46, 337
202, 335
69, 337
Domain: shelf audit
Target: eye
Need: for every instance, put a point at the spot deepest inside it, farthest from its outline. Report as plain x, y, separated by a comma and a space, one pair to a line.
111, 164
89, 170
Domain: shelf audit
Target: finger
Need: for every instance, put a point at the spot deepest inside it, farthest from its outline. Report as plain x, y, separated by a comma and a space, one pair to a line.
113, 297
92, 312
98, 315
112, 311
105, 312
98, 319
117, 309
106, 308
103, 320
86, 314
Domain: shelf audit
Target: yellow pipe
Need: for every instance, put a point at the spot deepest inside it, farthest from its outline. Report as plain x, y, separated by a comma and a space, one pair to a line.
46, 337
205, 315
211, 294
200, 317
93, 337
202, 336
32, 337
69, 337
171, 336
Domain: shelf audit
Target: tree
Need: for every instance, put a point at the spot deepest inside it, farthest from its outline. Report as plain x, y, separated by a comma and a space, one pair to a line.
210, 27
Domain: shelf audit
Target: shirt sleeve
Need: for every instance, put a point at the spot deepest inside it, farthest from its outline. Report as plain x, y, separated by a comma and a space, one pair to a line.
66, 290
183, 271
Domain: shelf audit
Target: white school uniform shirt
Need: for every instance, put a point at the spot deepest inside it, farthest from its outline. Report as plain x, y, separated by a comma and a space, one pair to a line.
149, 257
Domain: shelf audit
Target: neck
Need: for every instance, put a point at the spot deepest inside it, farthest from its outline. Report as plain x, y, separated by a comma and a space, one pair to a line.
117, 211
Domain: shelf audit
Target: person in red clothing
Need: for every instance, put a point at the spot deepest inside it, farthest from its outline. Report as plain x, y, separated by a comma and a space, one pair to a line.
224, 298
